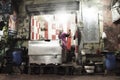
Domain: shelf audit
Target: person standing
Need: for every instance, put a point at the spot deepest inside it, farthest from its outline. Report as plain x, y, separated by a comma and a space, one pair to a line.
63, 42
69, 54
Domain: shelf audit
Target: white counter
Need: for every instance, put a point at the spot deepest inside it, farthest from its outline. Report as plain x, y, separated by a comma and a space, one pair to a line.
44, 52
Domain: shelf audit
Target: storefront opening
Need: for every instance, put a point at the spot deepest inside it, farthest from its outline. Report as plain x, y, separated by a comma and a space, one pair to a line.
47, 26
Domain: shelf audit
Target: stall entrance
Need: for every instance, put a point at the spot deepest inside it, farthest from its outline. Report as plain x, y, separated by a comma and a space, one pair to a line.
47, 20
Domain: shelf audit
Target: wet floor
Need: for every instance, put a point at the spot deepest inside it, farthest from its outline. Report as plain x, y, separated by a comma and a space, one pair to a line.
57, 77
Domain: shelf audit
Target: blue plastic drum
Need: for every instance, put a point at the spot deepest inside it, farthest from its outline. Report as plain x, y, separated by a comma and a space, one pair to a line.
110, 61
17, 57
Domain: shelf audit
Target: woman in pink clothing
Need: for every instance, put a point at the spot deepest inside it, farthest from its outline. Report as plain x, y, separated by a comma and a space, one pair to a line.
63, 42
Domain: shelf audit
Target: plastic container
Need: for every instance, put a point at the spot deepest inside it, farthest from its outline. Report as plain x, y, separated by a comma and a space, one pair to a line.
110, 61
17, 57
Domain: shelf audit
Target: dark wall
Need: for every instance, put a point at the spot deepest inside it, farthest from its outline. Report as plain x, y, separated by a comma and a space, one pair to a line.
16, 4
112, 30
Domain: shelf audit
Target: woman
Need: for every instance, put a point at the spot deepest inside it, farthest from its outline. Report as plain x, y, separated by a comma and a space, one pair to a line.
63, 42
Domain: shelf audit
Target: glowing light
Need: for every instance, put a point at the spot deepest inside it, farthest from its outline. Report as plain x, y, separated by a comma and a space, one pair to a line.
62, 17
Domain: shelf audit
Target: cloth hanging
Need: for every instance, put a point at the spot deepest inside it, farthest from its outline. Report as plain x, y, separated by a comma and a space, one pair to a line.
69, 43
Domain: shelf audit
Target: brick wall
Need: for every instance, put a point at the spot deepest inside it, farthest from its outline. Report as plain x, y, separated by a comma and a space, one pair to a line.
112, 30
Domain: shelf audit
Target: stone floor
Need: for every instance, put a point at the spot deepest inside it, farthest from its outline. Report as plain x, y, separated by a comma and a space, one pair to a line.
57, 77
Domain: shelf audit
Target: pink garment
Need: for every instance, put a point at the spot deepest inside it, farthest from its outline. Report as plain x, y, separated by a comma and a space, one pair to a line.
62, 36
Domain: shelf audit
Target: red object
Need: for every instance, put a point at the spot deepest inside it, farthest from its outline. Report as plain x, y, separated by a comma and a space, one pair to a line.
69, 43
53, 37
32, 21
32, 35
